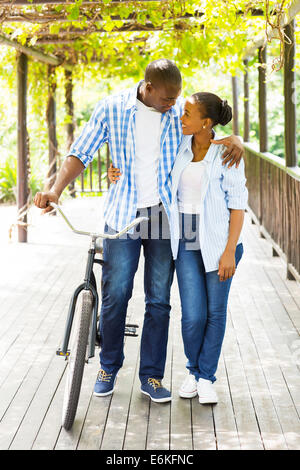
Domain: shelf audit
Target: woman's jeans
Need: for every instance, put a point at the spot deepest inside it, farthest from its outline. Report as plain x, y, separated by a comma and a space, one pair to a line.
121, 258
204, 301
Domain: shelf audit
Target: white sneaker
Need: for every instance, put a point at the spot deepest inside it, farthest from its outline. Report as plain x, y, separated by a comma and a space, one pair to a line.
206, 392
189, 387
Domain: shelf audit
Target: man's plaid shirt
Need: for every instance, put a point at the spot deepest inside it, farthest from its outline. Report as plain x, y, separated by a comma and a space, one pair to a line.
113, 121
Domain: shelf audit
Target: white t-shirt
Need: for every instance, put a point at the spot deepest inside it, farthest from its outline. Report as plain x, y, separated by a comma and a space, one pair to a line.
147, 152
189, 188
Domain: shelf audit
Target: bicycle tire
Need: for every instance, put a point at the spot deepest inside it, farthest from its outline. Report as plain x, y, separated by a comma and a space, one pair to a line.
77, 359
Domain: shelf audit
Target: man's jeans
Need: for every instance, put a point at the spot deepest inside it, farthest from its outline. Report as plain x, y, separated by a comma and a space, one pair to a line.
204, 301
121, 257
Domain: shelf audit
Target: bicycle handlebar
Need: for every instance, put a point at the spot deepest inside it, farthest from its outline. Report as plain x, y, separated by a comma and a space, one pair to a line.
99, 235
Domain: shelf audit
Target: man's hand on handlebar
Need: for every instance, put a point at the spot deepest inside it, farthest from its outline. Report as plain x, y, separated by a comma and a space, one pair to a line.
42, 200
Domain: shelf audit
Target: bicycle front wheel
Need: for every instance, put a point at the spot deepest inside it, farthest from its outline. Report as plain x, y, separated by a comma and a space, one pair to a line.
78, 352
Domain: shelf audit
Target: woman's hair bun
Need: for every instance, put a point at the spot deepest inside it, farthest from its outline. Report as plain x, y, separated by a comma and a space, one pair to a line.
225, 113
213, 107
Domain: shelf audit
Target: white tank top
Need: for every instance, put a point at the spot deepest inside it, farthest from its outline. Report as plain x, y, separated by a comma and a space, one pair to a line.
189, 188
147, 154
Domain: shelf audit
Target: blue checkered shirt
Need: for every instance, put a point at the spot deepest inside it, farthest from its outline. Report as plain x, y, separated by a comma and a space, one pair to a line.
113, 121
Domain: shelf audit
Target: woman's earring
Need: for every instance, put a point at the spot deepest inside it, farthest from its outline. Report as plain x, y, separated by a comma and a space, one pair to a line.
203, 127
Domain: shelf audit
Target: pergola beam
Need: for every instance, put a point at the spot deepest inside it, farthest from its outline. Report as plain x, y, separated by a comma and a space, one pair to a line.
44, 37
66, 2
32, 52
89, 15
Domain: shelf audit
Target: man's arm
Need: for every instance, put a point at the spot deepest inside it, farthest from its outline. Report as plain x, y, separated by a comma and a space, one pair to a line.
234, 150
71, 168
93, 136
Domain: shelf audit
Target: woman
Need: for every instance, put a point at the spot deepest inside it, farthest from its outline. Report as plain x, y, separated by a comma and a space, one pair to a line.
206, 219
207, 214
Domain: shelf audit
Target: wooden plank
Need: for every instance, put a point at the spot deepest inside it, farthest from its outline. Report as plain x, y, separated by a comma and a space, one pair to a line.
46, 388
137, 424
274, 367
265, 412
257, 378
223, 413
29, 372
248, 430
278, 326
22, 313
117, 418
68, 440
158, 436
29, 427
19, 295
95, 421
16, 283
34, 335
181, 413
51, 426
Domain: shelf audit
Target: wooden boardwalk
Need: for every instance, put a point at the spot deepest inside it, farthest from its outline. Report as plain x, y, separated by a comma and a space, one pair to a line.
258, 376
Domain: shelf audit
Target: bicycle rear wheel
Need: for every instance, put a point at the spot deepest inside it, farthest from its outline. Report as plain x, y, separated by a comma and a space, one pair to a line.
78, 352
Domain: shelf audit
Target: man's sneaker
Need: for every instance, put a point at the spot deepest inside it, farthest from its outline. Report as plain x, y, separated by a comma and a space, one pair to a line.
188, 388
206, 392
154, 389
104, 384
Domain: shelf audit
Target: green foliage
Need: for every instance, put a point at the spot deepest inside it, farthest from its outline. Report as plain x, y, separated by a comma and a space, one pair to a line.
207, 49
8, 181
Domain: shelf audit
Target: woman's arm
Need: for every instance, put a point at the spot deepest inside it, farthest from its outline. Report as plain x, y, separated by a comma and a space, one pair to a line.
227, 260
236, 195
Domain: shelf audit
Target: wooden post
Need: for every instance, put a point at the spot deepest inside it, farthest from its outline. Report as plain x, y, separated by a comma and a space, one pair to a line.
290, 120
235, 105
246, 104
51, 122
262, 100
70, 113
22, 167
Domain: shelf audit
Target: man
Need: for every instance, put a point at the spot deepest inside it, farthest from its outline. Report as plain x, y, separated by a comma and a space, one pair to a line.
143, 129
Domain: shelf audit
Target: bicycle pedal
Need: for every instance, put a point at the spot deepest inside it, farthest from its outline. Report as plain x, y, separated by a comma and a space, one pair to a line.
130, 331
59, 352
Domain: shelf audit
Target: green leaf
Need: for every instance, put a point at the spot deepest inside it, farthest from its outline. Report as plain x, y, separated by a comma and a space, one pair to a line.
74, 13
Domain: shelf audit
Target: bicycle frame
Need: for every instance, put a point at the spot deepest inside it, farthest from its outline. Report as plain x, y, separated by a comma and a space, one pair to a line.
88, 284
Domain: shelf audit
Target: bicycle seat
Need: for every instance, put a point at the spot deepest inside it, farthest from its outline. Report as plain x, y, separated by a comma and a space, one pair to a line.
99, 245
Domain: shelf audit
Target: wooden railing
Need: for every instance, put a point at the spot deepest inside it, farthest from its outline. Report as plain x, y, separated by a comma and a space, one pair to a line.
274, 203
95, 179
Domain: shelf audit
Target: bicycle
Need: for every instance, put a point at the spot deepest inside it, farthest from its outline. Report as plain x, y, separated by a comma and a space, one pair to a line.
85, 335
